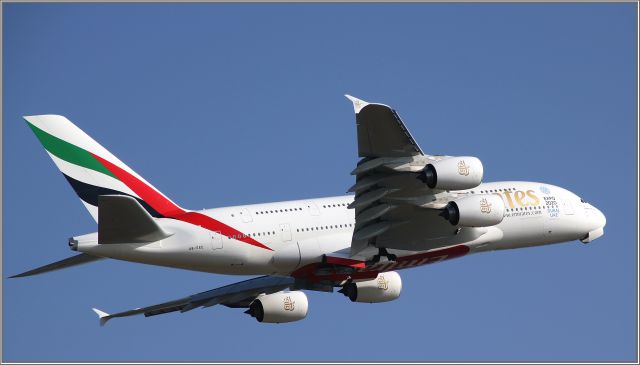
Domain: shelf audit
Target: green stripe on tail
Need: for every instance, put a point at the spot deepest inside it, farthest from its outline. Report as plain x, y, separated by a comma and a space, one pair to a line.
68, 152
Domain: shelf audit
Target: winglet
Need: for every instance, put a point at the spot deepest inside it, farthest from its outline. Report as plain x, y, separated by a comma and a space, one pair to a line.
357, 103
104, 317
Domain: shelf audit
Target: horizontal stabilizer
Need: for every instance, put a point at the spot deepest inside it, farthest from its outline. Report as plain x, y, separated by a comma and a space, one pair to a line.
83, 258
121, 219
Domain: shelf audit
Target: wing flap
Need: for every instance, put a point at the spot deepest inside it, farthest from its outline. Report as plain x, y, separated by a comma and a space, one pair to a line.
364, 200
373, 213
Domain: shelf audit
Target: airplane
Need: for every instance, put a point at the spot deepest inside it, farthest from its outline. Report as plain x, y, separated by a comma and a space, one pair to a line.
408, 209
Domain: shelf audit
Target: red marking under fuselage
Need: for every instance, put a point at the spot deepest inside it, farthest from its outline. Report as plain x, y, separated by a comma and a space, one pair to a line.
370, 272
346, 262
169, 209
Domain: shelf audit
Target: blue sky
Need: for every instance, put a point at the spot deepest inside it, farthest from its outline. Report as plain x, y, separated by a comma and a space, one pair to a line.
228, 104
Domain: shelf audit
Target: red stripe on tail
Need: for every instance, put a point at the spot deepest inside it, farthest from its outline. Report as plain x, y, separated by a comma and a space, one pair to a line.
169, 209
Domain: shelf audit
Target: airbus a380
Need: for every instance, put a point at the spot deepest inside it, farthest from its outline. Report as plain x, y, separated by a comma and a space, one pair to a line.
407, 209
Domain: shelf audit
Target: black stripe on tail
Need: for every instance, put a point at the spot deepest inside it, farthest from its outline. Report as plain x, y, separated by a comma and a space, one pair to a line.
90, 193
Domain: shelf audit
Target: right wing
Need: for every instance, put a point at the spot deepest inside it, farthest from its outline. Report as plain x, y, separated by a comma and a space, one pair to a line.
237, 295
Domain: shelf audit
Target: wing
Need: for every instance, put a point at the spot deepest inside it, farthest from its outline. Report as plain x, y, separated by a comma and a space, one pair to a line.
392, 204
381, 132
238, 295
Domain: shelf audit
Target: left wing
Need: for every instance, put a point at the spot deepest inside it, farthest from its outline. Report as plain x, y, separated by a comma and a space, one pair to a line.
237, 295
394, 207
381, 132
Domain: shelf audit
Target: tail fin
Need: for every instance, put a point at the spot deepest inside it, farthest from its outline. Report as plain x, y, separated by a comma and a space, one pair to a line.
93, 171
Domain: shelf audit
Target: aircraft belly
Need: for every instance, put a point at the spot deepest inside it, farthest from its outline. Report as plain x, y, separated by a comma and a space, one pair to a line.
535, 231
419, 238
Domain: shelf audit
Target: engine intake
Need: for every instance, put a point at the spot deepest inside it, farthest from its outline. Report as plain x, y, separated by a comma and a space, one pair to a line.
475, 211
279, 307
384, 288
453, 173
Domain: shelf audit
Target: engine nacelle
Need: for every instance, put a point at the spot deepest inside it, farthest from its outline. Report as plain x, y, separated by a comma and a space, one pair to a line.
454, 173
384, 288
279, 307
475, 211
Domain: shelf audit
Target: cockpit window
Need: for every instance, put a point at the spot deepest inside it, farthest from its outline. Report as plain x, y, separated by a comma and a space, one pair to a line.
582, 200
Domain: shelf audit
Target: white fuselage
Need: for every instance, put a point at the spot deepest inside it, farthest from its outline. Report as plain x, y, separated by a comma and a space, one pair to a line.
300, 232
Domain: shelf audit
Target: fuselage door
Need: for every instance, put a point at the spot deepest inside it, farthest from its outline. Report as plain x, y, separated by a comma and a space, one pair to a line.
245, 215
568, 208
285, 232
313, 209
216, 240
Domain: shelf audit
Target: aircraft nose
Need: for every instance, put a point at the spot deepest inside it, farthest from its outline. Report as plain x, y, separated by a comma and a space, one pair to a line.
597, 221
599, 218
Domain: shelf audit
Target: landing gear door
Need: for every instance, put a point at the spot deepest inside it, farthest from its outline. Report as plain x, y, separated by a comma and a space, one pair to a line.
216, 240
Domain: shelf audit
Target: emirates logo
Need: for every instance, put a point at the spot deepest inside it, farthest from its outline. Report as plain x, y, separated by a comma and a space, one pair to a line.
463, 168
289, 305
383, 284
485, 206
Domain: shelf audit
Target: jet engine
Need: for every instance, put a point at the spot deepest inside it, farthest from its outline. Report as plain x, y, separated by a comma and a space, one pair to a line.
453, 173
475, 211
279, 307
384, 288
